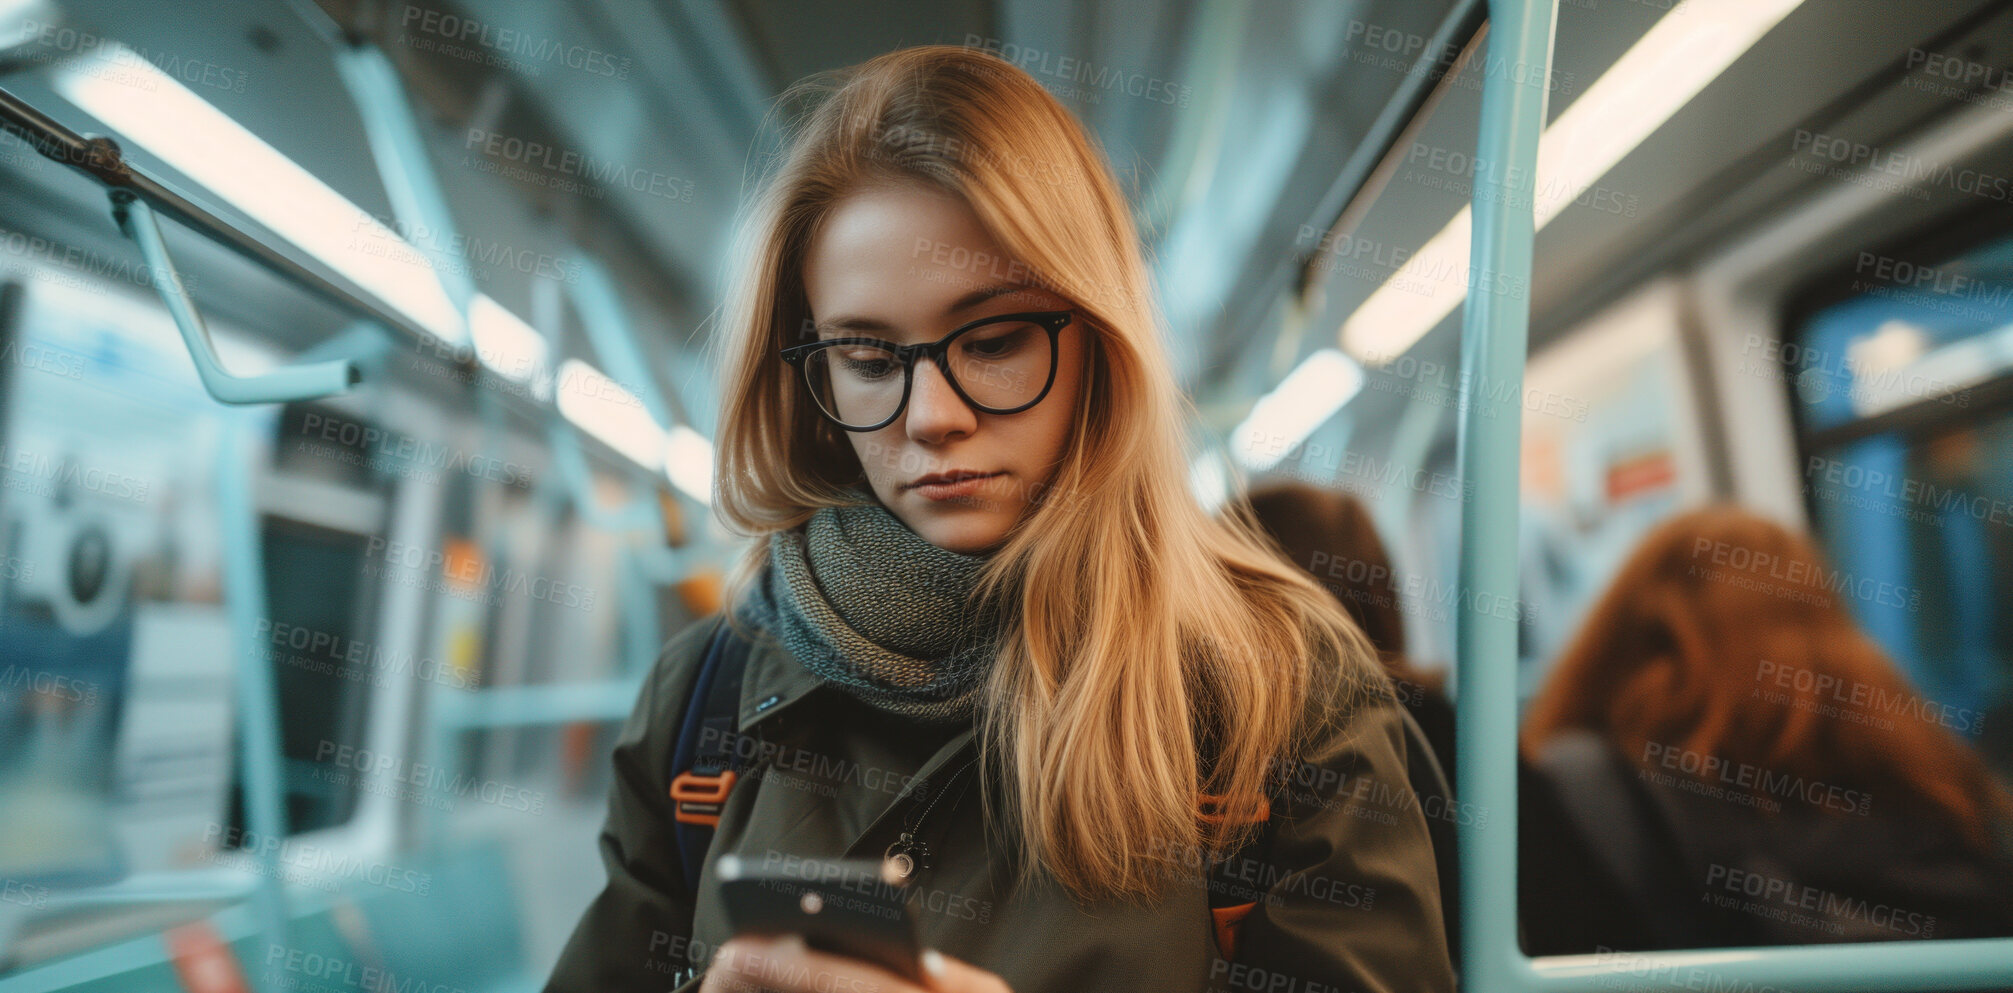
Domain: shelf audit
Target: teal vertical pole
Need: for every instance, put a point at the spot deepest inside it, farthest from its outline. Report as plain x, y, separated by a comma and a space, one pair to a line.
1494, 332
646, 561
258, 697
613, 336
419, 205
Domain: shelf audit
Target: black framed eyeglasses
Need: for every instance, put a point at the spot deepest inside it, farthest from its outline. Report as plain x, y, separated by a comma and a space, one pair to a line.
998, 365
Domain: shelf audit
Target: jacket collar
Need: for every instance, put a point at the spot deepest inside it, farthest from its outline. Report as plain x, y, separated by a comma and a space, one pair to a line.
773, 682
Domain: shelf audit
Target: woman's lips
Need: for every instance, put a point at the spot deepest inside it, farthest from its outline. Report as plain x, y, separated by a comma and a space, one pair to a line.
962, 487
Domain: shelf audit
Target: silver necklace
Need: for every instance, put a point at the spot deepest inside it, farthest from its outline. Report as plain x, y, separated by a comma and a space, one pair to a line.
910, 854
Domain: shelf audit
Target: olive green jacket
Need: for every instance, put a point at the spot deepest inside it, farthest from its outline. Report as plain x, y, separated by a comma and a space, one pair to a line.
1343, 875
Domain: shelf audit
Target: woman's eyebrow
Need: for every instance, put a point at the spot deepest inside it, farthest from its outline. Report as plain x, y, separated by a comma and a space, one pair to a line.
981, 295
836, 325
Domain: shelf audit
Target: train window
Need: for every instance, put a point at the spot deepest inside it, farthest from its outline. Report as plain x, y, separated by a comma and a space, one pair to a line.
117, 691
317, 611
1604, 460
115, 694
1908, 469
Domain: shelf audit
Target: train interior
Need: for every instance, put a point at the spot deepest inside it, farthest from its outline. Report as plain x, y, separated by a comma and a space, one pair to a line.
344, 667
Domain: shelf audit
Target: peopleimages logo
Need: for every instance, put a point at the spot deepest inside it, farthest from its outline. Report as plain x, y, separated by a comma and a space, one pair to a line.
390, 450
1650, 973
336, 655
47, 475
23, 894
1904, 489
472, 578
48, 684
1960, 70
57, 42
509, 47
416, 244
1411, 53
1105, 78
1911, 169
427, 779
1793, 578
321, 867
1834, 906
1712, 770
1401, 374
89, 266
875, 893
332, 973
592, 172
1866, 698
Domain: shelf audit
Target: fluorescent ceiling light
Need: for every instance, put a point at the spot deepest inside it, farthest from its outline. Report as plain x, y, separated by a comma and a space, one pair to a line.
153, 111
601, 407
1283, 418
1685, 50
688, 463
503, 342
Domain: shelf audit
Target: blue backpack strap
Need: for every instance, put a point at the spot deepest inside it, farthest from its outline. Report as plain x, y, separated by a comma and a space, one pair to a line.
706, 758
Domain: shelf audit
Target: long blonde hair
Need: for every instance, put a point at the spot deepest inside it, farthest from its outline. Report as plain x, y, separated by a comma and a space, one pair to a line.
1142, 631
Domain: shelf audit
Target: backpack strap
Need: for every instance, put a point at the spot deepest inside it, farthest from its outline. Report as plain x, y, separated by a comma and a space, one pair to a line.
706, 757
1230, 897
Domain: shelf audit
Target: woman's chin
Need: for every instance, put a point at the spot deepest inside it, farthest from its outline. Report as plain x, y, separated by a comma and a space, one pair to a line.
956, 527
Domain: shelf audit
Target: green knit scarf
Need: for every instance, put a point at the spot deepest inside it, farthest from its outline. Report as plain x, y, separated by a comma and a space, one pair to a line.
870, 605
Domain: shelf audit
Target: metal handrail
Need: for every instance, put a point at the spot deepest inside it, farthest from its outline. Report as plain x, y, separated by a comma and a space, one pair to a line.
1411, 99
101, 159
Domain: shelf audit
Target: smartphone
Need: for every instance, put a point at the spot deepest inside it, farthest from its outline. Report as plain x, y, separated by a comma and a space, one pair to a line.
841, 906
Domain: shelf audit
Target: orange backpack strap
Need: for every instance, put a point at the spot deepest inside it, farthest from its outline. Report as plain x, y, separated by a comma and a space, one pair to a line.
1227, 919
1231, 899
706, 765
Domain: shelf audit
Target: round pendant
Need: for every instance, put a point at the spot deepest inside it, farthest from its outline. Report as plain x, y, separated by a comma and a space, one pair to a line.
902, 863
907, 855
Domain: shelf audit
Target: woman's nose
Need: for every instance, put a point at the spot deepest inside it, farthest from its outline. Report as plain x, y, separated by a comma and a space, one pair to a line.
935, 409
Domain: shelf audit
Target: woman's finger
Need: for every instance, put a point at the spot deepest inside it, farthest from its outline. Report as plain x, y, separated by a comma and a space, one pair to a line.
949, 975
724, 974
787, 965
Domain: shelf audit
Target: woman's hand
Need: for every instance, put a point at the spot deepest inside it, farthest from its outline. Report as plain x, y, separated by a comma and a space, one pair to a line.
786, 965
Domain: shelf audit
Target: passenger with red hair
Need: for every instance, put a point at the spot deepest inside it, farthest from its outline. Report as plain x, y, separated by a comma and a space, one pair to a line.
1748, 767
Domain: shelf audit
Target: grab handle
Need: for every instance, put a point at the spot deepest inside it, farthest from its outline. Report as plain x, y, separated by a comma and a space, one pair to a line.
293, 383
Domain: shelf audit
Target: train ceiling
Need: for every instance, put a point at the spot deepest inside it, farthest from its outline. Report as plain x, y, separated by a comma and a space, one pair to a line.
1226, 120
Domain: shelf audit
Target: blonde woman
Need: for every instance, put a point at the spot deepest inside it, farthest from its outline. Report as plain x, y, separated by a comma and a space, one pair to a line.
1124, 745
